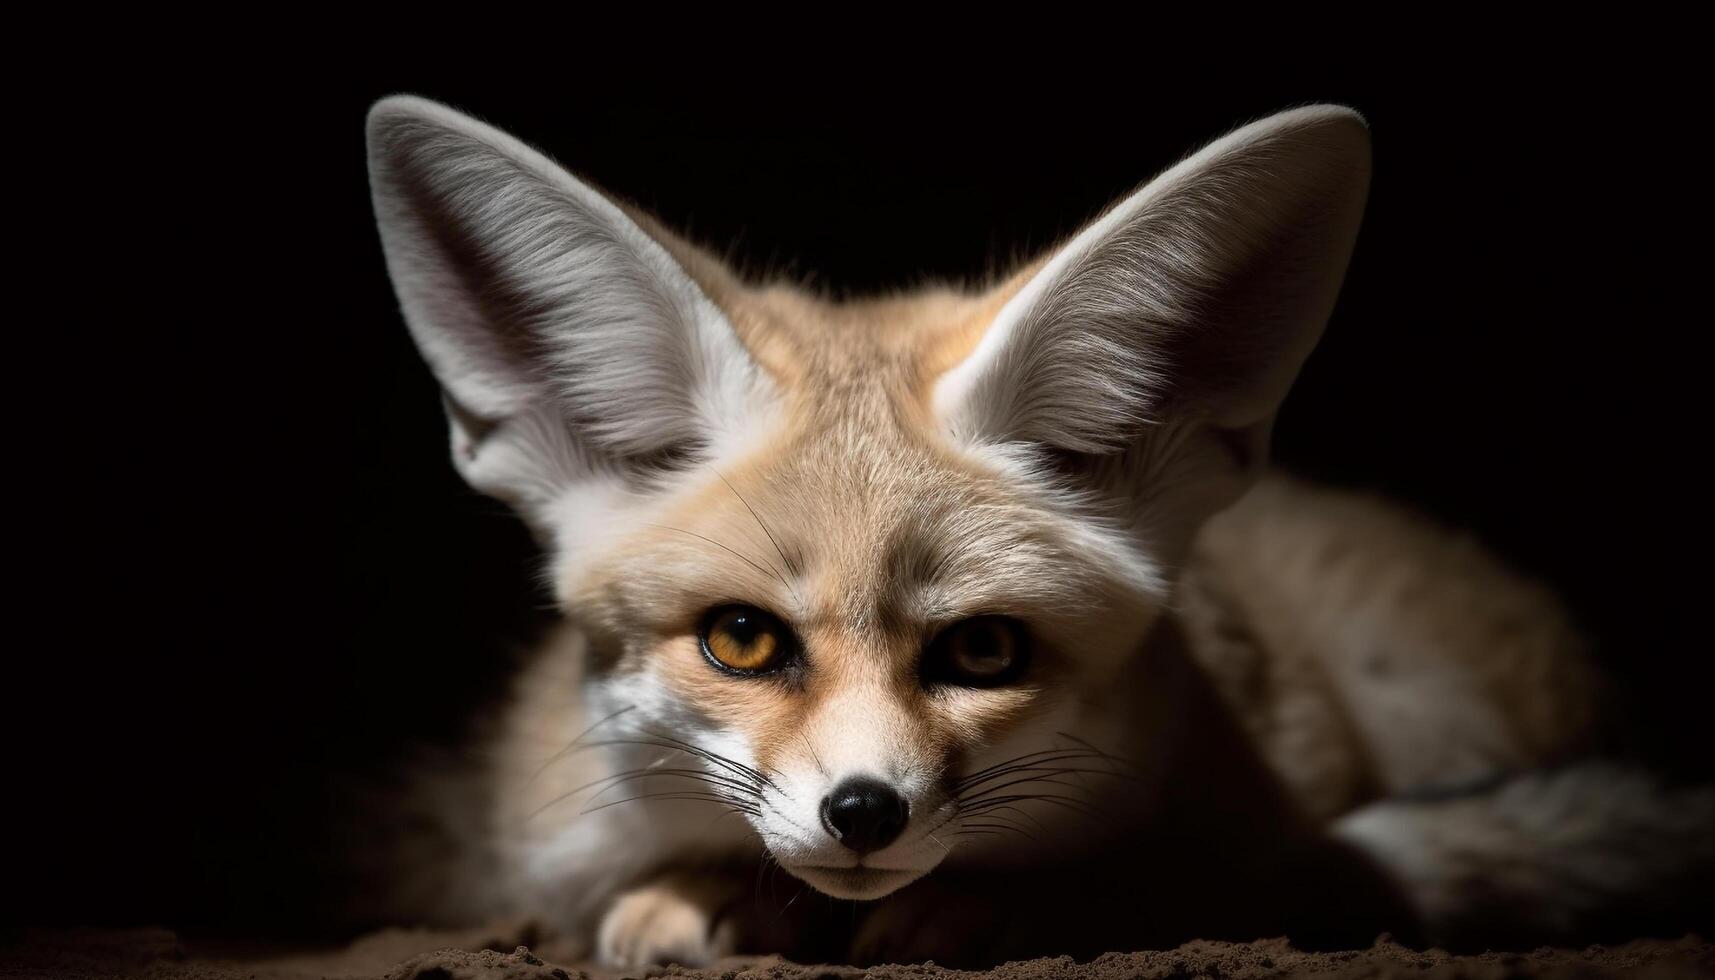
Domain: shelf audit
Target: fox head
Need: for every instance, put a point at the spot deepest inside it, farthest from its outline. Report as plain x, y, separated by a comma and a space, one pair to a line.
871, 562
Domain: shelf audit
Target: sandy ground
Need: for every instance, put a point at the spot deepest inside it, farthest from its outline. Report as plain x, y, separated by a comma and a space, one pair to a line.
486, 955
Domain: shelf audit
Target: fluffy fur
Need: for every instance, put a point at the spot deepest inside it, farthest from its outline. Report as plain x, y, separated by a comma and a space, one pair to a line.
1210, 696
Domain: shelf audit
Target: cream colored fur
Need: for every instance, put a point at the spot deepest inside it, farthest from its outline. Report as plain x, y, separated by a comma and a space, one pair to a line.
1065, 448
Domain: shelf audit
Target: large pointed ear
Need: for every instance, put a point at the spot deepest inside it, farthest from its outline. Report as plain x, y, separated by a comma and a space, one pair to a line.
1195, 299
571, 346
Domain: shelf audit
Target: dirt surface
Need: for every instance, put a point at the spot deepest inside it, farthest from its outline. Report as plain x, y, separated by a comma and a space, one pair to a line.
483, 955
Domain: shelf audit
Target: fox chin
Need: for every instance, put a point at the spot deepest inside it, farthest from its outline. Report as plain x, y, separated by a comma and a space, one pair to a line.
979, 605
857, 881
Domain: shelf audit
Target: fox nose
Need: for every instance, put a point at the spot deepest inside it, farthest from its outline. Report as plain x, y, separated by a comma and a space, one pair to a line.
864, 814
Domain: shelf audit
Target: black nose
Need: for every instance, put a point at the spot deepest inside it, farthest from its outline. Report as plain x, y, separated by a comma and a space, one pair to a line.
864, 814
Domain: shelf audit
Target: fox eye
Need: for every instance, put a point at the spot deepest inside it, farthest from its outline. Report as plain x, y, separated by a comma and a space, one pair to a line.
984, 651
744, 640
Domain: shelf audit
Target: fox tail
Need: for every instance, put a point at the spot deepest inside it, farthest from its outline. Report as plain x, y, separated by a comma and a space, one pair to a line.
1589, 851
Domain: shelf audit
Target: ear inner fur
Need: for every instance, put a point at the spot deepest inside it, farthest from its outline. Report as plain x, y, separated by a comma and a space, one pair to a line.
1199, 295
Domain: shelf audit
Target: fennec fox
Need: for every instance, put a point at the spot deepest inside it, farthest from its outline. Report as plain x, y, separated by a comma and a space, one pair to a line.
976, 609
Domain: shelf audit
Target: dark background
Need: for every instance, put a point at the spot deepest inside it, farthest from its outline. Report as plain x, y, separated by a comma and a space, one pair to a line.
259, 576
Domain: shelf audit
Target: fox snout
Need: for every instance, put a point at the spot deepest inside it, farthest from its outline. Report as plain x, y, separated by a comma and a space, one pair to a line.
864, 814
865, 837
859, 794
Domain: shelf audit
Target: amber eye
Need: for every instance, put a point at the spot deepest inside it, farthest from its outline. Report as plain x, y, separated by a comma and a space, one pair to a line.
984, 651
745, 640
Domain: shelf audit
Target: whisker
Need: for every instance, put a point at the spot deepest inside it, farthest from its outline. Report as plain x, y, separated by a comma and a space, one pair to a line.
787, 562
998, 828
1068, 736
996, 818
789, 902
761, 866
711, 755
1025, 814
556, 801
1052, 779
745, 780
776, 787
1068, 802
1050, 775
949, 818
679, 796
805, 738
572, 745
1117, 760
1031, 757
1039, 765
736, 554
713, 779
1037, 756
667, 742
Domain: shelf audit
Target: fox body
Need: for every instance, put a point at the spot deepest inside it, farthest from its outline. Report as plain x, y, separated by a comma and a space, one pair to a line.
972, 606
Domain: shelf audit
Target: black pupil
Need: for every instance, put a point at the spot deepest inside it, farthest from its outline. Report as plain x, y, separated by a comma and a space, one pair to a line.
744, 628
983, 645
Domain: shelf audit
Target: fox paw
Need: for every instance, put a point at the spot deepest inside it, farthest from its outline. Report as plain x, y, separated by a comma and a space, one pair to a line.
664, 923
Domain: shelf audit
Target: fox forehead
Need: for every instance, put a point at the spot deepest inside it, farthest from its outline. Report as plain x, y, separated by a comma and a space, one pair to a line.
845, 518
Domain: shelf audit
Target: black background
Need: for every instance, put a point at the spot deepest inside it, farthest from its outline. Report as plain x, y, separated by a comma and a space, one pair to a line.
258, 574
